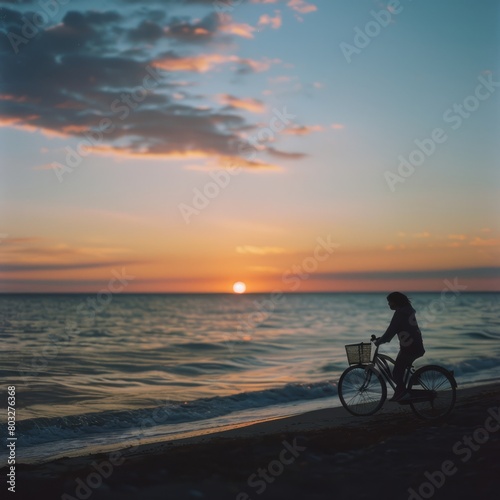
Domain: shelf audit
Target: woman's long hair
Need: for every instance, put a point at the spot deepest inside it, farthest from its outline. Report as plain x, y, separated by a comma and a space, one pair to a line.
399, 299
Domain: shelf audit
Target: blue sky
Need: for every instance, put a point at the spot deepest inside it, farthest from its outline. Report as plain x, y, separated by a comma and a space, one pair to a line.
223, 77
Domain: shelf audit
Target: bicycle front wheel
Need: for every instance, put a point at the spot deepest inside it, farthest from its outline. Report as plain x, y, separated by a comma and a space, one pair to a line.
362, 391
440, 386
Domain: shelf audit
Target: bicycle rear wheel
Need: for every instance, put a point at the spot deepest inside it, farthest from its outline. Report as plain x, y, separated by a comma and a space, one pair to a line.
442, 387
362, 391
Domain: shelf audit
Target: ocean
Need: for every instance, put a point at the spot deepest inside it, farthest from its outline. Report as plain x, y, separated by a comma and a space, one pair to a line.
100, 372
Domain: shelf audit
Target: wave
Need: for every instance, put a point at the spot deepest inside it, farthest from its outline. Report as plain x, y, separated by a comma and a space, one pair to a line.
468, 367
38, 431
486, 335
43, 430
198, 346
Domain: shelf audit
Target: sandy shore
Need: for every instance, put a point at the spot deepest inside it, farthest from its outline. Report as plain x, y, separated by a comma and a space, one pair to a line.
324, 454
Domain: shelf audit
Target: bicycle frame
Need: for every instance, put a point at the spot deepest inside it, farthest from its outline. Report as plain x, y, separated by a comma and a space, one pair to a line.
380, 363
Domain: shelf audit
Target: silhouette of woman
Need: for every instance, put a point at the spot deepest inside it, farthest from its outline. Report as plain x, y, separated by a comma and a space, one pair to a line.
404, 325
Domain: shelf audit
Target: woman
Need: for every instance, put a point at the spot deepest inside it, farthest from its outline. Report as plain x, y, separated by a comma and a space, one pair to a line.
411, 347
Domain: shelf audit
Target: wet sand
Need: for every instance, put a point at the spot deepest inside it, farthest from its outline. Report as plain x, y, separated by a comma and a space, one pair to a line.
324, 454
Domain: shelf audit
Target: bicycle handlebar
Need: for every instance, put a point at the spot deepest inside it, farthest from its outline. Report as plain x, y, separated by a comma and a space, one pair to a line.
373, 338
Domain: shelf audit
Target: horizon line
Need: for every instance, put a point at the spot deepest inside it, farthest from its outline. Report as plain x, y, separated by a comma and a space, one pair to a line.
245, 293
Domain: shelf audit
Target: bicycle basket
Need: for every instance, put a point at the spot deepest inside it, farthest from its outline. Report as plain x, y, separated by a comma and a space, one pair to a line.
358, 353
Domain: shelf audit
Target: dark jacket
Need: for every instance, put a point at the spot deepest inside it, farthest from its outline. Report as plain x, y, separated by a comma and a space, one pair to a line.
404, 325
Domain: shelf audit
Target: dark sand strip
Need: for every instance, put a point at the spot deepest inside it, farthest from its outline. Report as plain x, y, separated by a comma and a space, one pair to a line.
324, 454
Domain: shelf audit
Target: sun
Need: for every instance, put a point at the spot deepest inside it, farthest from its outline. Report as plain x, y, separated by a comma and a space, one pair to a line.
239, 287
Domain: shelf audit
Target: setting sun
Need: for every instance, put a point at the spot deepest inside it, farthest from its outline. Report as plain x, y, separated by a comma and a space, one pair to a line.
239, 287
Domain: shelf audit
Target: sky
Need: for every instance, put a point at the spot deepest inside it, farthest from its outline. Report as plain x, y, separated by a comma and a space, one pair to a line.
293, 145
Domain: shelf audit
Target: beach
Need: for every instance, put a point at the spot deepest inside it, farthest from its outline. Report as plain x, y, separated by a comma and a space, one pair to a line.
322, 454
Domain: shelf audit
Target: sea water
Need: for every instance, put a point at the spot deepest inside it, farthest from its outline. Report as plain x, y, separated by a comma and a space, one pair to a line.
97, 372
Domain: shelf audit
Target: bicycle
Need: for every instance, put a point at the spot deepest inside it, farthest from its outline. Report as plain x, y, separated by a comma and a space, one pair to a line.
362, 387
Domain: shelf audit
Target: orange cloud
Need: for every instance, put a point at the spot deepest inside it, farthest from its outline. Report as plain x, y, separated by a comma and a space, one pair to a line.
74, 129
304, 130
241, 29
257, 250
482, 242
259, 66
273, 22
237, 162
162, 155
252, 105
10, 97
206, 62
10, 121
298, 5
197, 64
301, 6
223, 161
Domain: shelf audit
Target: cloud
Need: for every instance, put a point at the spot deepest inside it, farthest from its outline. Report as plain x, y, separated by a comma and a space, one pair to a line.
273, 22
196, 31
302, 130
248, 104
252, 66
258, 250
243, 30
301, 6
15, 268
37, 250
238, 162
459, 273
198, 63
89, 78
285, 155
485, 242
146, 31
202, 63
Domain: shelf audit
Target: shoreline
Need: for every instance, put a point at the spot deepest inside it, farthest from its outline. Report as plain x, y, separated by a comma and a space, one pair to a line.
324, 444
217, 426
214, 426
